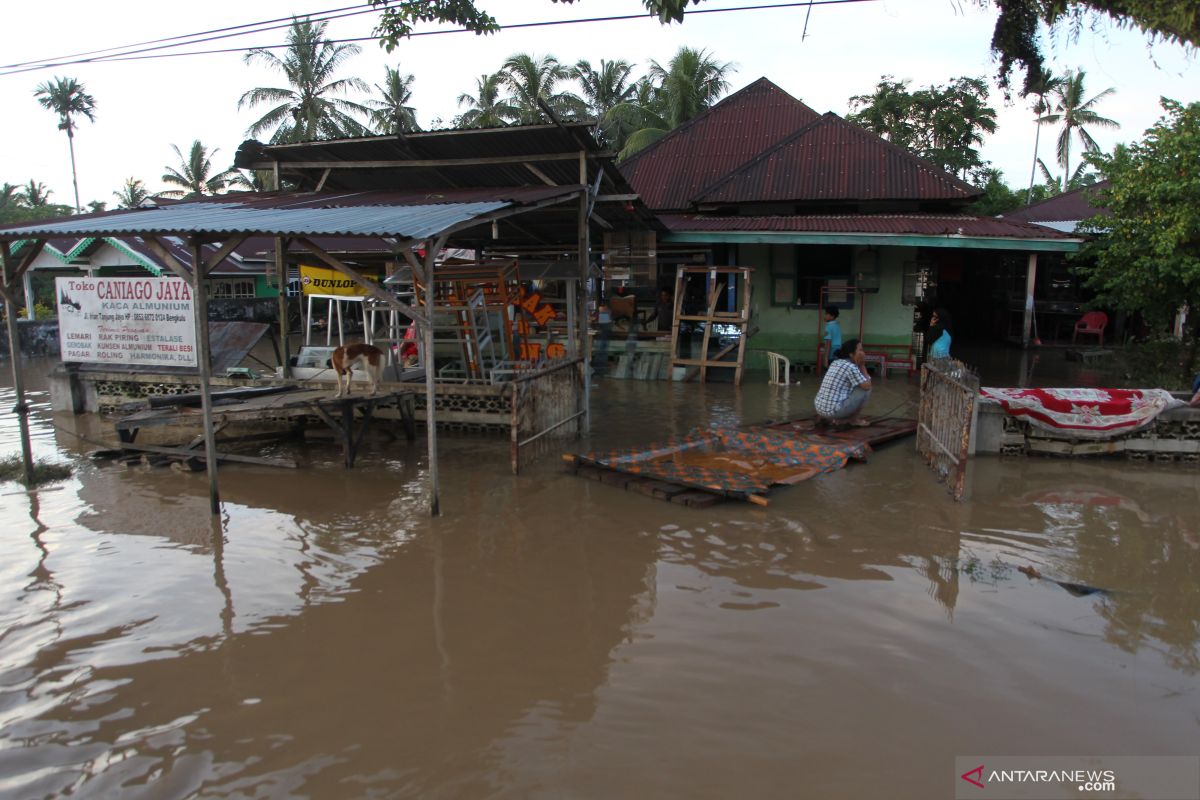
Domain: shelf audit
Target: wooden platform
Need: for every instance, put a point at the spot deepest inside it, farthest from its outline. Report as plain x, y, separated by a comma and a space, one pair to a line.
880, 431
349, 417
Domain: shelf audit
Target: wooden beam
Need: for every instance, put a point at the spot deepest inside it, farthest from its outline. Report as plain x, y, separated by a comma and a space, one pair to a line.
373, 289
431, 250
540, 175
190, 453
223, 252
169, 261
324, 177
426, 162
616, 198
27, 260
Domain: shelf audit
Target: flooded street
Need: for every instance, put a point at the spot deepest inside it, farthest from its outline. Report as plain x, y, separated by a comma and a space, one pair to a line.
554, 637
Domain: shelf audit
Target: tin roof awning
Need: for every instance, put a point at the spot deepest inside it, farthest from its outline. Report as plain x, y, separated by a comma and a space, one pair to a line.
403, 215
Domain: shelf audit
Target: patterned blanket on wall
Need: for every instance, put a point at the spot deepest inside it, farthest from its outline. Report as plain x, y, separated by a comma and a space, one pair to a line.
1084, 413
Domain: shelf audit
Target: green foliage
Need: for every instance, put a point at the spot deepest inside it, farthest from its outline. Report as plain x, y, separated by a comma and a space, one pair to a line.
1146, 254
1015, 40
1075, 113
998, 197
195, 176
12, 468
131, 194
308, 108
486, 108
531, 79
392, 114
942, 124
1161, 361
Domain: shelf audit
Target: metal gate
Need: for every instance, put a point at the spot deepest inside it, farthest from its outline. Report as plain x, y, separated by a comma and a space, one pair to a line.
949, 390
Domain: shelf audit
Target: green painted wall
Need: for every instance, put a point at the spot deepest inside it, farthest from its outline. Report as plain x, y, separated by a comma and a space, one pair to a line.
795, 332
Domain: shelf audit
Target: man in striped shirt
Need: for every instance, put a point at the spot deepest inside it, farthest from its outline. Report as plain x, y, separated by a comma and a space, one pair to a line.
846, 386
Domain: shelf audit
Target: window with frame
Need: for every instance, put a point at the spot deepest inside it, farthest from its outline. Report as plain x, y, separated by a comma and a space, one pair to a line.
826, 265
233, 288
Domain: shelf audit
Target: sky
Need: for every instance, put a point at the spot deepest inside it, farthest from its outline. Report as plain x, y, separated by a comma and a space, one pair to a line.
145, 106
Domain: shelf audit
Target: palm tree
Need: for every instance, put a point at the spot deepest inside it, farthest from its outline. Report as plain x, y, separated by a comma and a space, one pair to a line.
195, 175
669, 96
131, 194
604, 88
530, 79
485, 109
10, 195
66, 97
35, 194
1040, 84
307, 110
691, 82
1074, 112
392, 114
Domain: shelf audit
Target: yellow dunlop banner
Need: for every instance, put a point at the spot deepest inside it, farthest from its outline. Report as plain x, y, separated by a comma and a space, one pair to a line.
322, 280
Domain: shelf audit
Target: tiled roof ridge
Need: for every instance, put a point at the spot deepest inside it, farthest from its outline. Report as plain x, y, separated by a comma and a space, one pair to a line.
761, 83
825, 119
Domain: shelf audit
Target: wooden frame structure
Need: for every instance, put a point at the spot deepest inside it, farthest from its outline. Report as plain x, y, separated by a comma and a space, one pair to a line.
717, 280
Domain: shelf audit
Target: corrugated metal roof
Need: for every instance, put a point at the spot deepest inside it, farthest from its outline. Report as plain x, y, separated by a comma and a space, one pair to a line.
470, 145
833, 160
401, 214
668, 173
1072, 206
887, 224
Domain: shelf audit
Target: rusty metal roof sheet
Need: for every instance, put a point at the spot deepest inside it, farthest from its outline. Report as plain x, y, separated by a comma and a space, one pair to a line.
1077, 204
748, 122
885, 224
832, 160
400, 214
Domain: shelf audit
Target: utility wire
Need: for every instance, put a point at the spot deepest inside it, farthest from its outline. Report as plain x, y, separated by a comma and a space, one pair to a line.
131, 55
514, 26
286, 20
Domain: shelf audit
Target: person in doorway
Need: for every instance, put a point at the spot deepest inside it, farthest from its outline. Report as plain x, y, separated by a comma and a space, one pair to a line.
939, 334
664, 310
833, 334
845, 388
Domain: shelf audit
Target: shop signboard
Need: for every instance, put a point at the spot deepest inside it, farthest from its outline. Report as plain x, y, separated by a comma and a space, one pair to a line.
147, 321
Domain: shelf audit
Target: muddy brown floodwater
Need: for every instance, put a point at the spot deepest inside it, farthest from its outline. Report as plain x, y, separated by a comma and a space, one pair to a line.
553, 637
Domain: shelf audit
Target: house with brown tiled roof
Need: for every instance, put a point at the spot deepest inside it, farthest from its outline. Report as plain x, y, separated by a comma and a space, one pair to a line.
829, 213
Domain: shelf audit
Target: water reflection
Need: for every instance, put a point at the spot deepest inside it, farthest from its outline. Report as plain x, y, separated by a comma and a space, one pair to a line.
551, 636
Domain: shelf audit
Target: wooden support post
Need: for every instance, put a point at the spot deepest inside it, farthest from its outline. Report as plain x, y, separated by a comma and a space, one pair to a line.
431, 250
14, 353
30, 301
584, 244
1030, 283
281, 275
204, 357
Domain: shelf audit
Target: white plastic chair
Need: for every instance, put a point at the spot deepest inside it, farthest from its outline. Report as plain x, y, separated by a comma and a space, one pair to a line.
779, 365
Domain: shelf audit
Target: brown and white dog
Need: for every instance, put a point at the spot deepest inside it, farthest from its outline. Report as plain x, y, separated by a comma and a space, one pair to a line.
367, 356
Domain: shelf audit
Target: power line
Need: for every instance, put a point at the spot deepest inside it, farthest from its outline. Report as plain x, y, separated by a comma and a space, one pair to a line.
286, 20
514, 26
130, 55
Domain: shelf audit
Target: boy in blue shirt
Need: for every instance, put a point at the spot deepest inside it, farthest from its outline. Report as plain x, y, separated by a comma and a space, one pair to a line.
833, 333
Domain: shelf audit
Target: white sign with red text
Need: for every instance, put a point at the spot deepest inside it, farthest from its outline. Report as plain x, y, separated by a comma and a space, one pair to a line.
127, 321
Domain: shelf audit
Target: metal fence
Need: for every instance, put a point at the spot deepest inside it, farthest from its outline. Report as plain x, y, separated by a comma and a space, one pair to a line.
546, 402
949, 391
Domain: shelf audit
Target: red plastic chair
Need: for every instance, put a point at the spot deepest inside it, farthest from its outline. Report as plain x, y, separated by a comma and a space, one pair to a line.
1091, 323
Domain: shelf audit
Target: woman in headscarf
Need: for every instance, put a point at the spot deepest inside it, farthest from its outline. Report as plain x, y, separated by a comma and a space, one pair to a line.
940, 326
